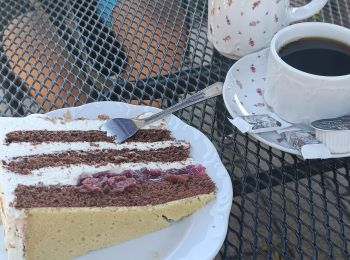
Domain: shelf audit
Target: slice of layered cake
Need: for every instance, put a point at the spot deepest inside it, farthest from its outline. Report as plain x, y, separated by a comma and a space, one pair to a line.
67, 188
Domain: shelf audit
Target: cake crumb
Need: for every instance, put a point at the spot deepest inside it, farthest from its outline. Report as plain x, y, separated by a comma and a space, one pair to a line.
67, 116
103, 117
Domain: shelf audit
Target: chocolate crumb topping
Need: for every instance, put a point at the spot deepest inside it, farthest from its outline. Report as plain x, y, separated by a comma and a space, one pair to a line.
25, 164
141, 194
41, 136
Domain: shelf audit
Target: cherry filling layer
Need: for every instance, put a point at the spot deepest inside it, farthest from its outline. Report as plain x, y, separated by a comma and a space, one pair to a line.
108, 181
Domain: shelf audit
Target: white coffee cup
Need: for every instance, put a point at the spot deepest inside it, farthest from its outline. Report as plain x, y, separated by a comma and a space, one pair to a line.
240, 27
300, 97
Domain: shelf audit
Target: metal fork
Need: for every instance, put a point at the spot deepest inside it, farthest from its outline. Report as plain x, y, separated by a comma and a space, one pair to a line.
124, 128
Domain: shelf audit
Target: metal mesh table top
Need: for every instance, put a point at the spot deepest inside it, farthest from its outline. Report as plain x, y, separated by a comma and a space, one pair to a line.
65, 53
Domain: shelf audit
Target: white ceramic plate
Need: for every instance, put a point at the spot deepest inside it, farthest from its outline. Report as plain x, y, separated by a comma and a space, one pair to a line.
243, 95
199, 236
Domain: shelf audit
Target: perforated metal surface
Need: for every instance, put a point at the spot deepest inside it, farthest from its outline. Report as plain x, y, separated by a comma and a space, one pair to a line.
65, 53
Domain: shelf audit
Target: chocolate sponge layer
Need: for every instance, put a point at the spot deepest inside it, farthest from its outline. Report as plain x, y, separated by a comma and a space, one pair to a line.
25, 164
142, 194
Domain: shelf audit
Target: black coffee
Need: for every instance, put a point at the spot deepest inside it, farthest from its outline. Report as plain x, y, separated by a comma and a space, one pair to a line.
319, 56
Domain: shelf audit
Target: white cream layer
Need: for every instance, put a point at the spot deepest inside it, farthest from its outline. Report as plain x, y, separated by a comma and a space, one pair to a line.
42, 122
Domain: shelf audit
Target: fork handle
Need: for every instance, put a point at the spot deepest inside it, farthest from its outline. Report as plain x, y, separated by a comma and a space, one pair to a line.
209, 92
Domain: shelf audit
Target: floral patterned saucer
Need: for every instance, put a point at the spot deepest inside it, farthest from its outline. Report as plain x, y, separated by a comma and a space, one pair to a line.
243, 95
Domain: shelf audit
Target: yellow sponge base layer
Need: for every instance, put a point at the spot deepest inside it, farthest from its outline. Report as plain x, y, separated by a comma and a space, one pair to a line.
64, 233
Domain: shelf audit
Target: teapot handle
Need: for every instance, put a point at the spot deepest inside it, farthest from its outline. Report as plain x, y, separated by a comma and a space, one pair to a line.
300, 13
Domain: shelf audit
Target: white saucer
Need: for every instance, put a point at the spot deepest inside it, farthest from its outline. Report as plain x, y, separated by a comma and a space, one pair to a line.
243, 95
